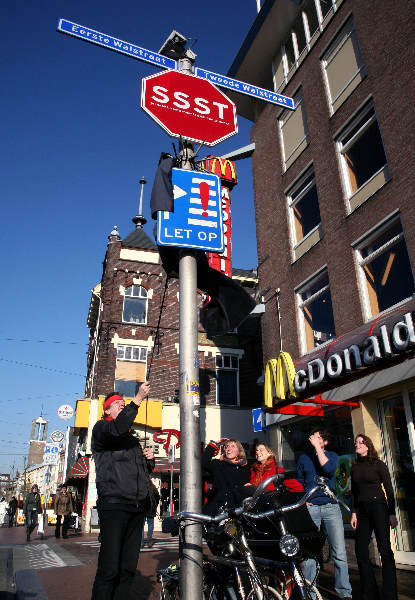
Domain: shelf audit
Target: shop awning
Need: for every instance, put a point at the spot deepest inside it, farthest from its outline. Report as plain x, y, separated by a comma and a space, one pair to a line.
80, 468
163, 465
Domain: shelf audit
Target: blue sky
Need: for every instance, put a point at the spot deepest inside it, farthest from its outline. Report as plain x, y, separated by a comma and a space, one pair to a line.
74, 144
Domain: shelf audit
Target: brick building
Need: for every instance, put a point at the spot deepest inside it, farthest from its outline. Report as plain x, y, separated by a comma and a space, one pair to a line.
335, 222
134, 327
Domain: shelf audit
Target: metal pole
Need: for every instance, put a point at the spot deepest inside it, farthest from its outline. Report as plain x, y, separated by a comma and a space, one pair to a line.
190, 468
171, 490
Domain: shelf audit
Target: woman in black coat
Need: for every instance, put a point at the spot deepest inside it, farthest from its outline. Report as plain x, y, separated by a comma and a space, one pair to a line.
230, 473
373, 510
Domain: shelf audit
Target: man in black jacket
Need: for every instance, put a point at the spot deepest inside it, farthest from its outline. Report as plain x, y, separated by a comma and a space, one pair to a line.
122, 479
32, 507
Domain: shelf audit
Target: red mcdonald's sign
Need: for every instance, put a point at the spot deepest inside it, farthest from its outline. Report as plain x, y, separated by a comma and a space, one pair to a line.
227, 172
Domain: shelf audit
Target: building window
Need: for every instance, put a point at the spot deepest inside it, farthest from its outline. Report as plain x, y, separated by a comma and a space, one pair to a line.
135, 353
315, 312
131, 368
343, 66
293, 131
278, 71
312, 19
135, 305
304, 214
384, 268
325, 7
227, 380
362, 157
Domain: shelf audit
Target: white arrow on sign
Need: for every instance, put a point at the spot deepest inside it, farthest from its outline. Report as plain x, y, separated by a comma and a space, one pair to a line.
178, 192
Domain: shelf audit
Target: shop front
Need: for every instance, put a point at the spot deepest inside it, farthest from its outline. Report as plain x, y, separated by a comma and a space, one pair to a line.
362, 382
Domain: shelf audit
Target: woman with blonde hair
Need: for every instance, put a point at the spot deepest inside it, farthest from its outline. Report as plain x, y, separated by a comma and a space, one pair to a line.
230, 473
266, 466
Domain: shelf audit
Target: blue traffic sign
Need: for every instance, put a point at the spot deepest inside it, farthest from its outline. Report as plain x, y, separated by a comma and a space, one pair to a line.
108, 41
246, 88
258, 419
197, 218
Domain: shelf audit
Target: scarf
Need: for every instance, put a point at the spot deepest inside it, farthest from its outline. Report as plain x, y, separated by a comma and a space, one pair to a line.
260, 468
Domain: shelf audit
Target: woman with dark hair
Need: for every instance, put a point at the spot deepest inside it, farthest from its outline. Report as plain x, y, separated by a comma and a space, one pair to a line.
373, 509
266, 466
230, 473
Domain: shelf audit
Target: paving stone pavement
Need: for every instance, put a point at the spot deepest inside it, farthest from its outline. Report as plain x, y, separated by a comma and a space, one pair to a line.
48, 569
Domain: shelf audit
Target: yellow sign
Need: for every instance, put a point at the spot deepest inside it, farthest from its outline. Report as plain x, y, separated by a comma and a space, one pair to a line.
277, 371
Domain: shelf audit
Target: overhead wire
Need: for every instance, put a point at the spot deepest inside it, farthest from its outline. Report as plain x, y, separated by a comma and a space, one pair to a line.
10, 339
23, 364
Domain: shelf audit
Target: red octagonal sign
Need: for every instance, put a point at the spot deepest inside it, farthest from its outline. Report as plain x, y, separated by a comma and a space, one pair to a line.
189, 106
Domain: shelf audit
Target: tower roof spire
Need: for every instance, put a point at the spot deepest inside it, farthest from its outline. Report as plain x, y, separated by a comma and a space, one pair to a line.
139, 220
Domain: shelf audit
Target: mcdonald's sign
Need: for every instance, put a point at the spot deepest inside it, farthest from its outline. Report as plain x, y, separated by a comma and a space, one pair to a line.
223, 167
227, 172
279, 372
280, 376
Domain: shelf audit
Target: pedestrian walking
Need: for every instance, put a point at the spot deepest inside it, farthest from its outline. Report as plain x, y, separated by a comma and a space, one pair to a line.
373, 510
123, 486
32, 507
4, 511
150, 514
322, 509
12, 511
63, 507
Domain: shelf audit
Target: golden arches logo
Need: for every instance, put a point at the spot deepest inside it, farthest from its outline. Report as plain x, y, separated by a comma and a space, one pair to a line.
277, 371
226, 168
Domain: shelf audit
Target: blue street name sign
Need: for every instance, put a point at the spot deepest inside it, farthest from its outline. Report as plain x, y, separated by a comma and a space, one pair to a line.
108, 41
197, 218
246, 88
258, 419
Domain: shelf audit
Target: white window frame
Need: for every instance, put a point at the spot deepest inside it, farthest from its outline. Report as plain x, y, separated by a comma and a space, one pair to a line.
308, 38
343, 148
132, 346
222, 368
301, 304
331, 53
284, 117
124, 348
143, 295
292, 203
361, 262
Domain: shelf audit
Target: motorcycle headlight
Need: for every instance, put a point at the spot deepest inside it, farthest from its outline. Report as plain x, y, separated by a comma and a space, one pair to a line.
289, 545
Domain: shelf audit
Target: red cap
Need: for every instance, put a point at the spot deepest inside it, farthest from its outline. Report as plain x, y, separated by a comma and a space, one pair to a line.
112, 399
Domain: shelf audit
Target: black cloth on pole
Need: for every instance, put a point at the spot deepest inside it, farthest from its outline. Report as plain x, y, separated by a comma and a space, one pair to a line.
230, 303
162, 193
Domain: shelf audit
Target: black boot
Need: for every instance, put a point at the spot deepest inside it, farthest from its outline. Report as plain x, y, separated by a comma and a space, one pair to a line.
28, 535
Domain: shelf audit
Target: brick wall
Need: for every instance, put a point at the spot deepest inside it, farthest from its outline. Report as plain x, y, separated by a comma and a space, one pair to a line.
385, 34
